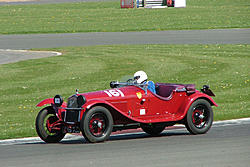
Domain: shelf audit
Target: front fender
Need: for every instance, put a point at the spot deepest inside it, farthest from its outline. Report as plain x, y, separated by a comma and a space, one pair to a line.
45, 101
90, 103
48, 101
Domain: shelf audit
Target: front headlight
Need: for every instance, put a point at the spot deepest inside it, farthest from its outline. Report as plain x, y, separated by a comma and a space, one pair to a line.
81, 100
58, 100
76, 101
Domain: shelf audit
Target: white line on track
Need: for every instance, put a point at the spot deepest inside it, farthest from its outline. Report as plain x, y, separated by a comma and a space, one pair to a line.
69, 137
30, 51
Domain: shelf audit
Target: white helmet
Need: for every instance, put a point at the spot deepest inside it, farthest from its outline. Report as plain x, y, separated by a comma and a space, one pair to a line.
140, 76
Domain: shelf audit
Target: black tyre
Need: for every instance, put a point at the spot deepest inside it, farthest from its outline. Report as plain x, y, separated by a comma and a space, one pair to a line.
153, 129
97, 124
47, 116
199, 117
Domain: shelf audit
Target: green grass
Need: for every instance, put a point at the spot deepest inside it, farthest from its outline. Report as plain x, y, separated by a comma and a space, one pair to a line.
224, 67
108, 16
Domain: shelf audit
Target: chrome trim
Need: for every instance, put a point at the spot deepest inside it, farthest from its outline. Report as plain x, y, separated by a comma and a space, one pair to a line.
180, 89
79, 116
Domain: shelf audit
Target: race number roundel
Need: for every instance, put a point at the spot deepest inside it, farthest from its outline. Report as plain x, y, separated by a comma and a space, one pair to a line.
114, 93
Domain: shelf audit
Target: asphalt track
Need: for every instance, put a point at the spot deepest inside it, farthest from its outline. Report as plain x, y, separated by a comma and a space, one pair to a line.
218, 36
225, 145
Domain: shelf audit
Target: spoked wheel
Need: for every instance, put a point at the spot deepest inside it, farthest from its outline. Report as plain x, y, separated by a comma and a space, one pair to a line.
199, 117
44, 126
97, 124
154, 129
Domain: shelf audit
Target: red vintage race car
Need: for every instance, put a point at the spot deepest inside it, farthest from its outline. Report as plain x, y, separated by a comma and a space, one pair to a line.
127, 105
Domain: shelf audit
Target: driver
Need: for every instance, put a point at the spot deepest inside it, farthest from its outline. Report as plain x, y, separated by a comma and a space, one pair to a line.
141, 78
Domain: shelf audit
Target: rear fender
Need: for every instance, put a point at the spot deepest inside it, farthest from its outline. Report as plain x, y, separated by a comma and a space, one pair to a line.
194, 97
199, 95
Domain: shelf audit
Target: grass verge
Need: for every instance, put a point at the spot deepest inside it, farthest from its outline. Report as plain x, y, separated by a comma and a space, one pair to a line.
224, 67
109, 17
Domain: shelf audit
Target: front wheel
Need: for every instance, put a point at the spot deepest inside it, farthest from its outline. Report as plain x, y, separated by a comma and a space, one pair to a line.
97, 124
199, 117
44, 119
153, 129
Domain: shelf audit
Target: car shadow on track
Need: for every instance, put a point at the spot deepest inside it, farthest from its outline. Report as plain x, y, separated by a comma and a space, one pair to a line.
131, 136
127, 136
145, 135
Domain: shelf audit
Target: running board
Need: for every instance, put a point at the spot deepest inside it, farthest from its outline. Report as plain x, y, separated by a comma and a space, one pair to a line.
125, 127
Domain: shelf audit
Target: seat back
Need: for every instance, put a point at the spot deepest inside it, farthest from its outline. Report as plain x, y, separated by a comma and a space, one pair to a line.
164, 90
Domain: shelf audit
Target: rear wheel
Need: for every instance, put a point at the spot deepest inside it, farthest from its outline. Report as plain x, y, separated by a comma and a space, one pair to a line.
45, 118
97, 124
199, 118
153, 129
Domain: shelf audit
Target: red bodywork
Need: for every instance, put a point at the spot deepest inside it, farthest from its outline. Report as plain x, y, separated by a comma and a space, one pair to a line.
132, 104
